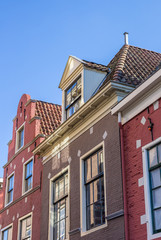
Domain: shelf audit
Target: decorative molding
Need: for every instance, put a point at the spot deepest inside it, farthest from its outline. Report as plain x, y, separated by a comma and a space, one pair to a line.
74, 231
114, 215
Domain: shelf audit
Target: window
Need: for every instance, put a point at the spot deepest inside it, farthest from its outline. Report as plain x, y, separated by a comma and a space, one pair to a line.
73, 98
20, 138
94, 188
28, 173
154, 165
10, 189
25, 228
60, 202
7, 234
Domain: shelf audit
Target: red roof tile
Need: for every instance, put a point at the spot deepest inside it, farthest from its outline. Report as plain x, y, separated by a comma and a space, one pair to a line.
50, 115
132, 65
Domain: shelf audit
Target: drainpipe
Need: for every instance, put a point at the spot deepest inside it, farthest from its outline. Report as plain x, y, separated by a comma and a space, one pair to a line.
123, 176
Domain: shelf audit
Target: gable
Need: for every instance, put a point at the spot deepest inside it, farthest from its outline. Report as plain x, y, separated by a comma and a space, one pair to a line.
71, 66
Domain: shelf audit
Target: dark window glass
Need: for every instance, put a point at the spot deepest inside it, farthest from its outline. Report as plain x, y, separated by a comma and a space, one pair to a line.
95, 210
20, 138
28, 175
60, 207
10, 188
73, 98
7, 234
155, 186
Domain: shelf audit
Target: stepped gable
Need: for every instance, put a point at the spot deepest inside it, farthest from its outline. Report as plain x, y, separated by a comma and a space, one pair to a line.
50, 115
132, 65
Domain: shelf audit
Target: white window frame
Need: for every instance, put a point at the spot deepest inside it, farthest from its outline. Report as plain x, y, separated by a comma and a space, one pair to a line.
17, 137
19, 224
23, 175
150, 234
51, 206
84, 230
5, 228
6, 193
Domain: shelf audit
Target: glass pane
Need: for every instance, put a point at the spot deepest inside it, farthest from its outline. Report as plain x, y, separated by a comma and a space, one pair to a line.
88, 168
102, 187
61, 188
97, 190
79, 86
5, 235
9, 234
10, 183
56, 195
156, 198
10, 196
101, 161
89, 193
98, 213
62, 229
74, 92
157, 217
156, 177
159, 152
153, 157
94, 165
103, 211
28, 184
91, 223
62, 212
76, 106
66, 184
68, 97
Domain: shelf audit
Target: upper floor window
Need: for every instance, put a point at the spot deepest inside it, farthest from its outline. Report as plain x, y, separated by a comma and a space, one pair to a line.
154, 163
73, 98
25, 229
60, 208
28, 175
7, 234
20, 138
94, 188
10, 186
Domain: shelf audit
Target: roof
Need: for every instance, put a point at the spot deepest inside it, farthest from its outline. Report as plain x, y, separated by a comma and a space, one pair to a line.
50, 115
132, 65
96, 66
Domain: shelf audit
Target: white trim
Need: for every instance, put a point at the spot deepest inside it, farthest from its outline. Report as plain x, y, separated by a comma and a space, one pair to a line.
150, 234
17, 137
23, 175
84, 231
19, 223
6, 191
51, 207
5, 228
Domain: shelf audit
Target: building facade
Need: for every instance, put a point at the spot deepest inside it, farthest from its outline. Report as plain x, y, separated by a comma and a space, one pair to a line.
22, 183
139, 117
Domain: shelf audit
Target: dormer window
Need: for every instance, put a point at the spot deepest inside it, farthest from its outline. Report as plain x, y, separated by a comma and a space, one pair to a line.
73, 97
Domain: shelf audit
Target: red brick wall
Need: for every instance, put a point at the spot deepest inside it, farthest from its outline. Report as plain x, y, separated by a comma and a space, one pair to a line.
30, 202
135, 130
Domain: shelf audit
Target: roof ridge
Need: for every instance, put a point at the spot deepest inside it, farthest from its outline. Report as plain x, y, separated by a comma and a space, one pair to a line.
120, 62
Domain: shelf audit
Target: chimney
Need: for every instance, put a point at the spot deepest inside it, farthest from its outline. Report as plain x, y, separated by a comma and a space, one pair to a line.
126, 38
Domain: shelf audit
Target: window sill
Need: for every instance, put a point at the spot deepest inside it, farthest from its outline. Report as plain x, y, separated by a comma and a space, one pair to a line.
26, 191
17, 150
94, 229
7, 204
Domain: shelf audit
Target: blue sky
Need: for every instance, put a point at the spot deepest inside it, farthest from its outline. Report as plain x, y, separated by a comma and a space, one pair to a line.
36, 38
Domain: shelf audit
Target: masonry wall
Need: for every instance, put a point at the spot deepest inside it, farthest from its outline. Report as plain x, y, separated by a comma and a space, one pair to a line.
28, 202
76, 149
134, 130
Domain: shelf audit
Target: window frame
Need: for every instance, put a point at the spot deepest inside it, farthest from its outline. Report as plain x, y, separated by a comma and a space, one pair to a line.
83, 217
7, 185
19, 224
24, 191
67, 107
17, 148
4, 229
51, 201
147, 189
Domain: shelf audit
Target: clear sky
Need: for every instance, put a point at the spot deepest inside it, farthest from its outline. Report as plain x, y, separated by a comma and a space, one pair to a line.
36, 38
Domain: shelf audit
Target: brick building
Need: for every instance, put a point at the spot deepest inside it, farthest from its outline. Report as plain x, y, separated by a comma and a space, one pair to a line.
22, 182
82, 195
139, 118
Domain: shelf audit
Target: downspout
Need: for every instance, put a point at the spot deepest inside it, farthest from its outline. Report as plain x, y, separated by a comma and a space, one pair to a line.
123, 176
